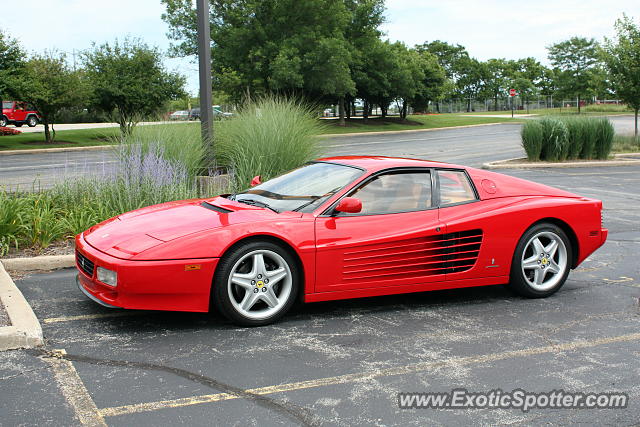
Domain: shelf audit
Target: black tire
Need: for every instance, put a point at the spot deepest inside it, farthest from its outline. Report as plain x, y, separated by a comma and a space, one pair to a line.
19, 124
3, 122
533, 271
32, 121
228, 297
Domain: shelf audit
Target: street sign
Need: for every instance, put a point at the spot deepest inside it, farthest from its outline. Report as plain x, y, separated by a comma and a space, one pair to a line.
512, 92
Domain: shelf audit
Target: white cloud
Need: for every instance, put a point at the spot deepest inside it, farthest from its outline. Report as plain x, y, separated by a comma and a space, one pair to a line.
499, 28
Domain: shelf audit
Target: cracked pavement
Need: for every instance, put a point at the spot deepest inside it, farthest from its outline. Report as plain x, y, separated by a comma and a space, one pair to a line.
342, 363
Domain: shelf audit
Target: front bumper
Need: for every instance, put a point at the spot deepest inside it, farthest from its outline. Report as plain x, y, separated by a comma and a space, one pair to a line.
173, 285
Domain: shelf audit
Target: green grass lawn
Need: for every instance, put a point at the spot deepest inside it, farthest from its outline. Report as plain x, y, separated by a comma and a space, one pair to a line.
598, 110
64, 138
415, 122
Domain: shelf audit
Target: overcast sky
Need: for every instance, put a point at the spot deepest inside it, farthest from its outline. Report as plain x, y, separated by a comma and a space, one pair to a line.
488, 28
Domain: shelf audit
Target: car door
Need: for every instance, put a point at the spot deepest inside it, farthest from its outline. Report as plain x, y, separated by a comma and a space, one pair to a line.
20, 114
389, 243
472, 231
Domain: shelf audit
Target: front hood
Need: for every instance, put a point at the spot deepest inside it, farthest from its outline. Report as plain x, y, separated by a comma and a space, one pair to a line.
134, 232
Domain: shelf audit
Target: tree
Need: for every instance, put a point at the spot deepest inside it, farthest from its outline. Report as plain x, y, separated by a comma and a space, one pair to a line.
526, 75
473, 77
576, 59
12, 58
129, 81
622, 59
497, 79
450, 57
50, 85
290, 47
432, 83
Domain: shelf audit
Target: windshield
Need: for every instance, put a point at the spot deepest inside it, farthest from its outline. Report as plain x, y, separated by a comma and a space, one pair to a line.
302, 189
7, 104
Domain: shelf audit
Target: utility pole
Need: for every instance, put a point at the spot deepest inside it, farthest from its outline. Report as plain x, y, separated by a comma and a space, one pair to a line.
204, 62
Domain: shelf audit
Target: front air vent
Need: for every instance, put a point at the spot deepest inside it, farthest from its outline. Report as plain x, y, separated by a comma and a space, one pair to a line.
215, 208
413, 258
85, 264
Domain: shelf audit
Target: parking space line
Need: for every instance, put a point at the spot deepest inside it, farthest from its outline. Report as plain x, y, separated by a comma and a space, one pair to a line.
75, 392
358, 376
89, 316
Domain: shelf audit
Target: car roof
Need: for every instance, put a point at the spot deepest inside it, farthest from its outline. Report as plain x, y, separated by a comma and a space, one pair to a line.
376, 163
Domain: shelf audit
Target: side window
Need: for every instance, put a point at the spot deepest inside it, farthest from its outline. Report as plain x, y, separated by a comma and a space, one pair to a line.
454, 188
395, 192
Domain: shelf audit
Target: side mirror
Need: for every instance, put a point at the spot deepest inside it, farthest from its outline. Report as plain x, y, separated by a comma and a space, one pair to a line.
349, 205
256, 181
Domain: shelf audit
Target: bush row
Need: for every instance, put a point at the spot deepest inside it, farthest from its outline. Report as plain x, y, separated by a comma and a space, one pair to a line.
562, 138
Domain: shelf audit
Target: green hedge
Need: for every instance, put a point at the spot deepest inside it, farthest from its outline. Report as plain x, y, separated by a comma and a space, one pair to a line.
562, 138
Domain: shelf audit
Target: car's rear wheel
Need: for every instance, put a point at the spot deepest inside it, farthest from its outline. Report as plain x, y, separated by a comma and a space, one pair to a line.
256, 283
3, 122
541, 261
32, 121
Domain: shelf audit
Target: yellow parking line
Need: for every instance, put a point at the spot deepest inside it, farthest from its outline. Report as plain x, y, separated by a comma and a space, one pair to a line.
358, 376
90, 316
75, 392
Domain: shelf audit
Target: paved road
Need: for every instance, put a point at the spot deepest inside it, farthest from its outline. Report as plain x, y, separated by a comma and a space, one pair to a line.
468, 146
76, 126
342, 363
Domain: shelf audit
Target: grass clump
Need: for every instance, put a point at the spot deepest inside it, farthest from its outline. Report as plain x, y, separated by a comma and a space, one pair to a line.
267, 137
532, 134
568, 137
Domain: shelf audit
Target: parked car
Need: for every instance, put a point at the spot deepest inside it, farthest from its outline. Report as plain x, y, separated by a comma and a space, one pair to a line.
179, 115
336, 228
194, 114
18, 113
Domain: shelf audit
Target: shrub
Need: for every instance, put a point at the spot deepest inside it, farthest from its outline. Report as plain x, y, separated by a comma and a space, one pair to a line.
180, 143
532, 139
555, 139
575, 136
267, 137
604, 133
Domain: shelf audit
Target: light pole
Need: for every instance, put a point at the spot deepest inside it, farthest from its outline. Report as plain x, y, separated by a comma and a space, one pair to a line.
204, 62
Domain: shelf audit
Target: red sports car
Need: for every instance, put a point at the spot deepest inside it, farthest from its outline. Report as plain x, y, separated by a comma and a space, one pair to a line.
341, 227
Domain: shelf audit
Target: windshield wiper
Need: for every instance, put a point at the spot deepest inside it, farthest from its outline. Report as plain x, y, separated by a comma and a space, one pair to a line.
257, 203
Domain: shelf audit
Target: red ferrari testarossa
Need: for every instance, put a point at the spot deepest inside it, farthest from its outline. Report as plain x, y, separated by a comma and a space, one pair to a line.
340, 227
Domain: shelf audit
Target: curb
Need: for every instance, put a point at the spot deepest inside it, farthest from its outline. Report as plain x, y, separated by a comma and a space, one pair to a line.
504, 164
391, 132
25, 330
56, 150
45, 262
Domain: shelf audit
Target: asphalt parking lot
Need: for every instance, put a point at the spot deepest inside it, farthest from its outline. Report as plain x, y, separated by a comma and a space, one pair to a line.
343, 363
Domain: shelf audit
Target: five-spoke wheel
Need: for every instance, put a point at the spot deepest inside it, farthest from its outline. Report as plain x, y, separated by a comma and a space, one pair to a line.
256, 283
541, 262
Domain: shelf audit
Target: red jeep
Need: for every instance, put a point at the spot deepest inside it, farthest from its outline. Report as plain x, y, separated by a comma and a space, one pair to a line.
18, 113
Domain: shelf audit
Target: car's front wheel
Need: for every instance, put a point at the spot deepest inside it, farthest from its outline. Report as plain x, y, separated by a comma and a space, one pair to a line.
32, 121
3, 122
256, 283
541, 261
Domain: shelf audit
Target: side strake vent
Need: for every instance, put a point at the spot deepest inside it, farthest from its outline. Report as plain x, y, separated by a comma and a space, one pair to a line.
414, 258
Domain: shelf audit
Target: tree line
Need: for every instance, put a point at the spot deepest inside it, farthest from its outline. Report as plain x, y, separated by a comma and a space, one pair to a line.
125, 80
333, 51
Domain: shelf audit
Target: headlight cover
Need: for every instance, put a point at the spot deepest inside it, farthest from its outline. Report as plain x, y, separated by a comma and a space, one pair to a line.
107, 277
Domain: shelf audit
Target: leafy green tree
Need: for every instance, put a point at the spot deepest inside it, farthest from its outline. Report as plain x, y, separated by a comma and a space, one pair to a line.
50, 85
283, 46
473, 77
525, 77
450, 57
497, 82
129, 81
622, 58
12, 58
576, 59
431, 84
